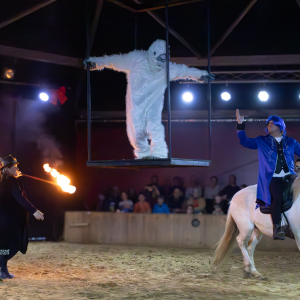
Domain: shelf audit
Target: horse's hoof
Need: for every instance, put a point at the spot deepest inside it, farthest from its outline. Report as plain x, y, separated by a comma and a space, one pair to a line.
247, 274
257, 275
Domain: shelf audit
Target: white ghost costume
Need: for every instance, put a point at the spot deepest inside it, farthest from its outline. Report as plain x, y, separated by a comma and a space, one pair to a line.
147, 82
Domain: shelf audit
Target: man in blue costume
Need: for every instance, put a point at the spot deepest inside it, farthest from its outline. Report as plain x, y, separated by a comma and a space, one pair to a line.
276, 159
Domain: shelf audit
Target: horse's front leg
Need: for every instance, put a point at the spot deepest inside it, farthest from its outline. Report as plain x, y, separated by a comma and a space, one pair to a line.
243, 239
255, 238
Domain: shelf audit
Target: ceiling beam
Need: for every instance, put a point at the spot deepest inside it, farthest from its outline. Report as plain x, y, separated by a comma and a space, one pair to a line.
174, 33
119, 3
169, 5
232, 26
26, 13
41, 56
252, 60
162, 23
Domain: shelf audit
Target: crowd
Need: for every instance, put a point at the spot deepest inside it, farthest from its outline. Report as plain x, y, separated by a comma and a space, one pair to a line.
177, 199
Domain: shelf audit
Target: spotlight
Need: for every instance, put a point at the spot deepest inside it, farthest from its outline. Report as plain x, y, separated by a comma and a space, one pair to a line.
44, 97
263, 96
187, 97
8, 73
225, 96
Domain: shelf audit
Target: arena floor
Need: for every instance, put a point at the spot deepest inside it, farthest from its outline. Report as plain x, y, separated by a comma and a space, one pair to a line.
74, 271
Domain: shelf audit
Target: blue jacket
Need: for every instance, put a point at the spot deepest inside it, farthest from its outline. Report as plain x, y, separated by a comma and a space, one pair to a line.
267, 157
161, 209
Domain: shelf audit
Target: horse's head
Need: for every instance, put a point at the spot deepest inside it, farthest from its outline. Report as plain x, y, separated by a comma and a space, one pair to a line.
296, 188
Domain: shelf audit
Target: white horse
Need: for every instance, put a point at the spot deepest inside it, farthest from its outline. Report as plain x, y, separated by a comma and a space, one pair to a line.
252, 224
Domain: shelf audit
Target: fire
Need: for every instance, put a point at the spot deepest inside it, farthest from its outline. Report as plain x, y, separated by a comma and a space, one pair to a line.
62, 180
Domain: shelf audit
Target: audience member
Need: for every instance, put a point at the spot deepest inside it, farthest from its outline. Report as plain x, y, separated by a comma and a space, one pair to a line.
153, 191
243, 186
101, 198
126, 205
109, 203
228, 192
210, 193
132, 194
177, 183
194, 184
197, 201
116, 194
142, 206
160, 207
297, 166
189, 210
218, 210
176, 201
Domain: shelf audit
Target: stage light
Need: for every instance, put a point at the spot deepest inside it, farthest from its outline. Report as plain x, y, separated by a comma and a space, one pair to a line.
44, 97
263, 96
225, 96
187, 97
8, 73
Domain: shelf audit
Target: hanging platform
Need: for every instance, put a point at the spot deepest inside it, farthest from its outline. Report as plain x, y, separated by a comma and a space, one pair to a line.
149, 163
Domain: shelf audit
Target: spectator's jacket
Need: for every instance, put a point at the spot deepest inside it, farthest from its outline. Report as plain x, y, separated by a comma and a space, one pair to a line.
267, 157
161, 209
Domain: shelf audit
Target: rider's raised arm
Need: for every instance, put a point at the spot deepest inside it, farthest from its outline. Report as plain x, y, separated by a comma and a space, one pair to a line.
118, 62
244, 140
296, 148
178, 71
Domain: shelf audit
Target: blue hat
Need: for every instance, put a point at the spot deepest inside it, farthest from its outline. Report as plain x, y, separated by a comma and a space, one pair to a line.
278, 122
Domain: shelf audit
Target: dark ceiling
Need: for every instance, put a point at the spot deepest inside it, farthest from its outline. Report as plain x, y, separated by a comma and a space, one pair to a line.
270, 27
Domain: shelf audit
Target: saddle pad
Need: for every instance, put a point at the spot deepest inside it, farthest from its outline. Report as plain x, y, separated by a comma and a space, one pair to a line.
287, 196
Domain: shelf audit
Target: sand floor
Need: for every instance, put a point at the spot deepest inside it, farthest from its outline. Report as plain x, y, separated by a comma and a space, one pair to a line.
74, 271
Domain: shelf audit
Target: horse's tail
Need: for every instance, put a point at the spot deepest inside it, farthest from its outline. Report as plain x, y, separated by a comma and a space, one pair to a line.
226, 242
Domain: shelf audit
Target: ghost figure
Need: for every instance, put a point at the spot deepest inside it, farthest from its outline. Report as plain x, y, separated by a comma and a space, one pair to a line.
147, 82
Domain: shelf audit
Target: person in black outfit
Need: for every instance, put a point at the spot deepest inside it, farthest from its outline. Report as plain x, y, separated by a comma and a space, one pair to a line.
228, 192
14, 211
175, 201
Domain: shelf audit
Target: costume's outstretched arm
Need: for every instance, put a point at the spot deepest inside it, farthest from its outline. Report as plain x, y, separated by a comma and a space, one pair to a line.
178, 71
119, 62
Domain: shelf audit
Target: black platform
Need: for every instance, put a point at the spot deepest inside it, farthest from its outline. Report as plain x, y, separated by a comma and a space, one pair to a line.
148, 163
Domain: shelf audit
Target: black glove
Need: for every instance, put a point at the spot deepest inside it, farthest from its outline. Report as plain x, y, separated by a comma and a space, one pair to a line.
240, 126
210, 77
92, 65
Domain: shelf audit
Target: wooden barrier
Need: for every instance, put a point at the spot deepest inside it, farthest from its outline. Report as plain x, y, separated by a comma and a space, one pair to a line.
176, 230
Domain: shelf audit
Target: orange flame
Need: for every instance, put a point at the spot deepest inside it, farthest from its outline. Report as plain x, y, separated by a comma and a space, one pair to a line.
62, 180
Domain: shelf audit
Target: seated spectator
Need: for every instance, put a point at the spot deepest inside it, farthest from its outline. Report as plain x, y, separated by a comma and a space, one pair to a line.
101, 198
160, 207
194, 184
177, 184
228, 192
175, 201
109, 203
116, 194
125, 205
243, 186
153, 190
132, 194
197, 201
210, 193
218, 210
189, 210
142, 206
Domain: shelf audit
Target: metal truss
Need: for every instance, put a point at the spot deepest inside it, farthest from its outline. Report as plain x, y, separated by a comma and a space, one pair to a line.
223, 77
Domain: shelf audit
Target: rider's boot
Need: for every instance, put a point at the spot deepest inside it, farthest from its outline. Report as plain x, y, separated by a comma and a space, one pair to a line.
278, 234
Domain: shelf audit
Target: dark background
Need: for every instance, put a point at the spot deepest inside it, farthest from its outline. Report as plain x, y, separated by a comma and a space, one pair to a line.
270, 27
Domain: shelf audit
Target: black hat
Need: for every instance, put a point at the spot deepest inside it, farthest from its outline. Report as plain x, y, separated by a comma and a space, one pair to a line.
7, 161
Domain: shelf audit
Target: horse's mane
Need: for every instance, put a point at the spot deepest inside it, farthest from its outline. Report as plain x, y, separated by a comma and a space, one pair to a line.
296, 188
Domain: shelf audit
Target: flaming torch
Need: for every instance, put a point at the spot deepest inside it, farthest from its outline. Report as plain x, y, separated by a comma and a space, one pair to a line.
61, 180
